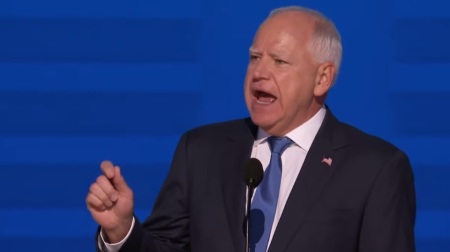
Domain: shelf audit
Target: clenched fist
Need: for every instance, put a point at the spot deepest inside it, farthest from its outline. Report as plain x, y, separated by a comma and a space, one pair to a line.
110, 202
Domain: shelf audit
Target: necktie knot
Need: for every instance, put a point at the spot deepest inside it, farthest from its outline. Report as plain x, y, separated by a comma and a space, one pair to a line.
279, 144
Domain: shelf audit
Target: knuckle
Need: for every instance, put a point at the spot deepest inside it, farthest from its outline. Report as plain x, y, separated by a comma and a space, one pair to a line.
92, 201
102, 181
89, 198
93, 187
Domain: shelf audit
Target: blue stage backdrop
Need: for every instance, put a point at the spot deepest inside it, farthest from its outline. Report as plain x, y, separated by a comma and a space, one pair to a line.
82, 81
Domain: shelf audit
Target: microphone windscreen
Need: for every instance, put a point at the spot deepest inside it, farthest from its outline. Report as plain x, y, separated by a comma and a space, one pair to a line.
253, 172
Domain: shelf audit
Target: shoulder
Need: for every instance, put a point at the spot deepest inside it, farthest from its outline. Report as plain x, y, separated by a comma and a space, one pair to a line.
359, 141
370, 147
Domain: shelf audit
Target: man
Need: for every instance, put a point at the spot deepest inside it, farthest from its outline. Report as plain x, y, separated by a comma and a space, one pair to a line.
340, 189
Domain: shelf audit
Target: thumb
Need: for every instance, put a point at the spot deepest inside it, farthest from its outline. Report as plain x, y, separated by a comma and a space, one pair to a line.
118, 181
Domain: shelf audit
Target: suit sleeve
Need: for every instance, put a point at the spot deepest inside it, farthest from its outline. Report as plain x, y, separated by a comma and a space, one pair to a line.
389, 217
167, 228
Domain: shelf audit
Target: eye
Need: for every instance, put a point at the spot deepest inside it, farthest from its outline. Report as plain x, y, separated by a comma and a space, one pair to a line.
280, 62
254, 57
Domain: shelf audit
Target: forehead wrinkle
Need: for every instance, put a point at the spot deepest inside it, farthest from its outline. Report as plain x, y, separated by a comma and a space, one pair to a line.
283, 48
281, 45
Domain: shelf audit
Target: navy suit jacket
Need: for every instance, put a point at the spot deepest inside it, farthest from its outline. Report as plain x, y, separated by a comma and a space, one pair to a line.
364, 201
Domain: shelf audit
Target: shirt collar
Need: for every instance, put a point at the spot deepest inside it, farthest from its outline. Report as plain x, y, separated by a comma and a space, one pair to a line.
303, 135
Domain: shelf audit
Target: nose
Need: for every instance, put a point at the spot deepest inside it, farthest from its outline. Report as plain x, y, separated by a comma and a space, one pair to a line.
261, 70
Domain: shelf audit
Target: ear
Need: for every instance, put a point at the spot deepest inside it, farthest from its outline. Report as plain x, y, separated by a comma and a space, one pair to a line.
324, 78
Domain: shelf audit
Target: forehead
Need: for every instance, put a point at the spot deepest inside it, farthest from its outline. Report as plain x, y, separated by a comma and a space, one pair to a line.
284, 29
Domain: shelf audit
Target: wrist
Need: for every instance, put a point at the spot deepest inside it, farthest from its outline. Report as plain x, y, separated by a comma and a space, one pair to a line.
117, 234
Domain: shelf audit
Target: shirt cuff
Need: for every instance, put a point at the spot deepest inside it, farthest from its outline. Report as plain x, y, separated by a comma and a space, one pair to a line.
113, 247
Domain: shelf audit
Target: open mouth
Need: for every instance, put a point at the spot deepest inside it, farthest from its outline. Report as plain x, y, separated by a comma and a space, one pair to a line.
264, 98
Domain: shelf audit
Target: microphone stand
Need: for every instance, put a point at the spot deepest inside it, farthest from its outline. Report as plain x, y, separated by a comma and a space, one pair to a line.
250, 189
253, 175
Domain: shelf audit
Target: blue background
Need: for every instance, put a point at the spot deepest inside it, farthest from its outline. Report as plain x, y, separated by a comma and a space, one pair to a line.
82, 81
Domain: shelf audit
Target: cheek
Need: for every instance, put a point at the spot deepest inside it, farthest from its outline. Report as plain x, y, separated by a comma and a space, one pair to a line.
246, 86
288, 86
294, 93
248, 79
247, 91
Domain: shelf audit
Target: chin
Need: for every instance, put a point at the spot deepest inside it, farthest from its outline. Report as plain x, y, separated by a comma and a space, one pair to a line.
262, 121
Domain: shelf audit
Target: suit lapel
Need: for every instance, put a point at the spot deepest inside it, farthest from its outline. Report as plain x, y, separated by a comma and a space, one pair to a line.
312, 178
237, 147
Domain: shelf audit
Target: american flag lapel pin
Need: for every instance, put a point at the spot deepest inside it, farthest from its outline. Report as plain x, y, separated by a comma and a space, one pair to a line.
327, 161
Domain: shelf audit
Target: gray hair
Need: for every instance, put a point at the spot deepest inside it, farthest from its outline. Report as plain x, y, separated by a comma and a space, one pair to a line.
325, 44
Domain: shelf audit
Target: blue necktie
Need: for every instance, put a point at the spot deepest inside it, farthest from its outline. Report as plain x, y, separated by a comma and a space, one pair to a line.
265, 200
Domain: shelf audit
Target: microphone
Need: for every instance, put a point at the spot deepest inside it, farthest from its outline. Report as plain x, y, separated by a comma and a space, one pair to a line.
253, 175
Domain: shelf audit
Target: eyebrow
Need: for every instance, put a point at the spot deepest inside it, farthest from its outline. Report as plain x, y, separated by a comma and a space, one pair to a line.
271, 54
277, 55
252, 50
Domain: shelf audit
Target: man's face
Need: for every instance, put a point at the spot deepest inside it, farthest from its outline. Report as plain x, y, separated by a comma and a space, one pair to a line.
281, 74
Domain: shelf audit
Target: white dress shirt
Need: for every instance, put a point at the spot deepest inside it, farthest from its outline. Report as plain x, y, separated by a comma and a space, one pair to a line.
292, 161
